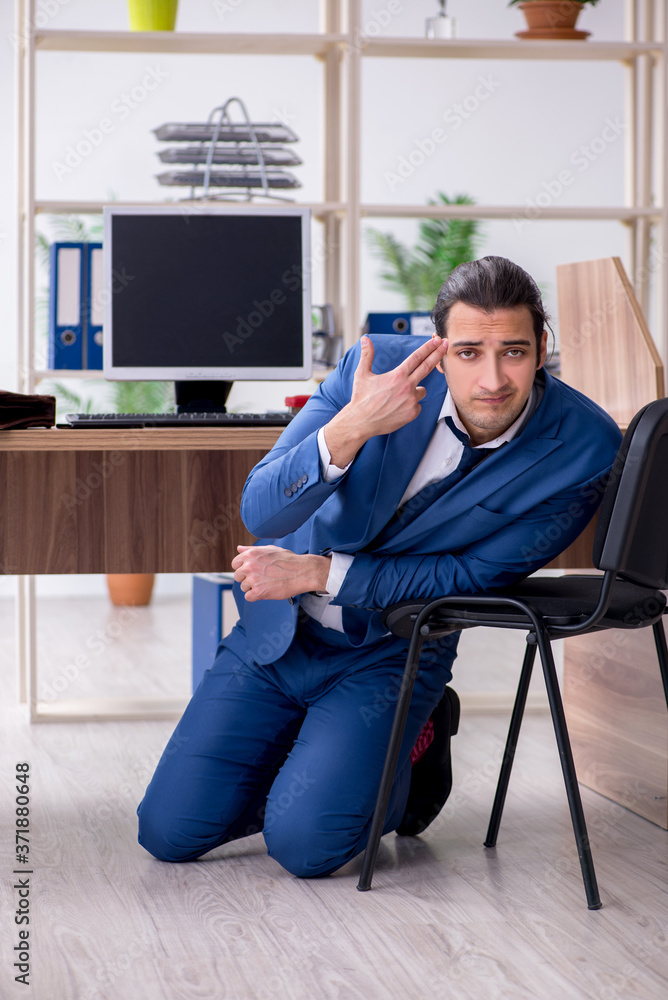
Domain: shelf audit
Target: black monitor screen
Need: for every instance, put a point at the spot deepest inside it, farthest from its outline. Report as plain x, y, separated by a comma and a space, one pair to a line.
207, 291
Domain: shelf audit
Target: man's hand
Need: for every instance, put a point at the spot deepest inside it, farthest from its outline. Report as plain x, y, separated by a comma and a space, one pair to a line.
382, 403
269, 573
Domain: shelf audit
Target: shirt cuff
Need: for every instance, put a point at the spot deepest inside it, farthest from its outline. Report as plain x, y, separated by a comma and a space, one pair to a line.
330, 473
339, 566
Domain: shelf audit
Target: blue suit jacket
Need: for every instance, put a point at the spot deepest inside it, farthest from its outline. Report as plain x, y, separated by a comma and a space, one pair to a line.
513, 513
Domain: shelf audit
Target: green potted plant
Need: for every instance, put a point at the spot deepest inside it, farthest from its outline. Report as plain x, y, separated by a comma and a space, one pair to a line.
418, 272
551, 18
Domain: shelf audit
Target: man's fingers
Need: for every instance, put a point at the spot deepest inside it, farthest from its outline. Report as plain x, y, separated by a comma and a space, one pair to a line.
416, 366
431, 362
366, 357
240, 560
424, 359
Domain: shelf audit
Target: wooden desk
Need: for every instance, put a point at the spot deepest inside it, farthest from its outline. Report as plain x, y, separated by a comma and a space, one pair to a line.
137, 501
112, 501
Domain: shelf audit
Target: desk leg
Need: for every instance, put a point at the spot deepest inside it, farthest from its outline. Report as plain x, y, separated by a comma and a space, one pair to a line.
26, 640
75, 709
207, 621
19, 618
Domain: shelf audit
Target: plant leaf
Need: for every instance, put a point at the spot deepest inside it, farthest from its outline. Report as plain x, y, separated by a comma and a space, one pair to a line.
442, 245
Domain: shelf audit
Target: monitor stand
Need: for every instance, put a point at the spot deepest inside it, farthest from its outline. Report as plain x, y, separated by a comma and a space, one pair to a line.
201, 397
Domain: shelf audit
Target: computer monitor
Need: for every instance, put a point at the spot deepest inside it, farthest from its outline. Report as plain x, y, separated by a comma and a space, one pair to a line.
203, 295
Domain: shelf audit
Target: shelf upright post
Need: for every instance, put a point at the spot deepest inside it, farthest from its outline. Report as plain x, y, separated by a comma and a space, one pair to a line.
20, 19
25, 151
25, 182
20, 24
332, 160
661, 33
353, 231
631, 136
27, 168
646, 157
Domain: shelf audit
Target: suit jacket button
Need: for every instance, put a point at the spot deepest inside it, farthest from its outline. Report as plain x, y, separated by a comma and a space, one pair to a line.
288, 492
304, 479
294, 487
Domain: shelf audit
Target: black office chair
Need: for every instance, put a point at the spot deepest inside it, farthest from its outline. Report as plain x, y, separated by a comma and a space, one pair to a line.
630, 546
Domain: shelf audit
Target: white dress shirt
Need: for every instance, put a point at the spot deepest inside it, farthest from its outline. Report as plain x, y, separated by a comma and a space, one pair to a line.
441, 457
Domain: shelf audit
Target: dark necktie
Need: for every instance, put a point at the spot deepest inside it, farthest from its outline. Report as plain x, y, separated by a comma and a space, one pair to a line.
433, 491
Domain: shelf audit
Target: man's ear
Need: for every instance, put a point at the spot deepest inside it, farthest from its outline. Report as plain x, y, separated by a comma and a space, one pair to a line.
543, 350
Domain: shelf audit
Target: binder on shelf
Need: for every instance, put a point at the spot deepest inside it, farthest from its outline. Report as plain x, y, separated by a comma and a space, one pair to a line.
66, 300
93, 312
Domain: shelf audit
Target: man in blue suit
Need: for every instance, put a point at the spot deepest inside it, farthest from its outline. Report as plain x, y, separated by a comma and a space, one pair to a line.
454, 466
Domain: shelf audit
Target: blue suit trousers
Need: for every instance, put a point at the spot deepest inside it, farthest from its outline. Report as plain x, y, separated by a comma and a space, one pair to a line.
293, 749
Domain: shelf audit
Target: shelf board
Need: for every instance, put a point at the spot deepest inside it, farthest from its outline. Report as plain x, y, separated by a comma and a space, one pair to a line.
621, 213
614, 213
41, 374
217, 43
475, 48
105, 709
253, 43
47, 207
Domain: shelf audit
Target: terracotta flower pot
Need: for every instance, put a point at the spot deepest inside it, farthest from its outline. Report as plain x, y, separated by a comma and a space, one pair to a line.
132, 590
551, 19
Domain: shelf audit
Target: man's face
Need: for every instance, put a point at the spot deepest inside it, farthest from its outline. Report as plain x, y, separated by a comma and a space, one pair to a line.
490, 366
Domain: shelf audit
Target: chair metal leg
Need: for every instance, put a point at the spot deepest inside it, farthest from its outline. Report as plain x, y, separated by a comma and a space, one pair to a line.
391, 760
568, 768
511, 744
662, 653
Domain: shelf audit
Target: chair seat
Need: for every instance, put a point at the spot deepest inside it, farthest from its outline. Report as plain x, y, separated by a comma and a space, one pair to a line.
559, 601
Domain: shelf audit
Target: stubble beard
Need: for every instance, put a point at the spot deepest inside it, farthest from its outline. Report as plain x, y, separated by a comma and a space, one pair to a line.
498, 420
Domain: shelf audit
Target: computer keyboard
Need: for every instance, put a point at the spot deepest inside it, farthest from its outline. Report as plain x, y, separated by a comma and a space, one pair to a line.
126, 420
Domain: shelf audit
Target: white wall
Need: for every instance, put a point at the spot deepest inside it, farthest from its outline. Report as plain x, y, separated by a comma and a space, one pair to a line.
510, 129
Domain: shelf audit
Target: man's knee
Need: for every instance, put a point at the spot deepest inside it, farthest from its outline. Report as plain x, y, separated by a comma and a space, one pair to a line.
305, 847
165, 842
303, 859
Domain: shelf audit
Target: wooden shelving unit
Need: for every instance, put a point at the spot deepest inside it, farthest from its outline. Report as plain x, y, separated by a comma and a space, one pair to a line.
342, 47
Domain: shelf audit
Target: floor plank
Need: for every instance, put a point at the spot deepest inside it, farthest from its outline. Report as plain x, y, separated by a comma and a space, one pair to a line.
446, 917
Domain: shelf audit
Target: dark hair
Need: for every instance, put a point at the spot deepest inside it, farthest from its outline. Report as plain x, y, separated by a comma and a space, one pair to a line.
489, 284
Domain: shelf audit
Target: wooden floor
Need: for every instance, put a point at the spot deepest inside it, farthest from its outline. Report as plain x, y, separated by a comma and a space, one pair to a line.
446, 918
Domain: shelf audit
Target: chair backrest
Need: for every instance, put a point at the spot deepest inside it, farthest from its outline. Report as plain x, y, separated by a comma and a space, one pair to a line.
632, 532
